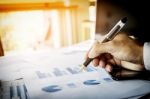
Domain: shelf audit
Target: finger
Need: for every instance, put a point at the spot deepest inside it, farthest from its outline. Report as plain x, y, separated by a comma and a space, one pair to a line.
108, 68
111, 61
102, 62
95, 62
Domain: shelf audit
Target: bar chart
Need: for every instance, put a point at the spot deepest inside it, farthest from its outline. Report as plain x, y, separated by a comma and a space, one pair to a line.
56, 72
14, 90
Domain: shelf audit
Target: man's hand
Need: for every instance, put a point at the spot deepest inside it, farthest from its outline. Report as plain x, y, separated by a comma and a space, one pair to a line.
122, 51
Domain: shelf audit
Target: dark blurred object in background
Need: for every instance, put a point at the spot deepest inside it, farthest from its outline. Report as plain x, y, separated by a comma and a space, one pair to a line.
110, 11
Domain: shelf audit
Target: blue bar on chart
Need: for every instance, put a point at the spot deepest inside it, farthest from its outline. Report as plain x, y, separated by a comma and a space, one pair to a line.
108, 79
18, 91
73, 70
71, 85
23, 93
42, 75
11, 91
26, 92
58, 72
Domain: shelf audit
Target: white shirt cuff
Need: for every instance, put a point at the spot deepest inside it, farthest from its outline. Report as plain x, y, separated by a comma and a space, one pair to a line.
146, 54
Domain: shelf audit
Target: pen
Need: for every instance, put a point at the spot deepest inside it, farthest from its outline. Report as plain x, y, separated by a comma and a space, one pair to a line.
111, 34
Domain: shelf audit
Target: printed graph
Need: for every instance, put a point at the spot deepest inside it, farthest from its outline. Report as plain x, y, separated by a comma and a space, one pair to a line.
56, 72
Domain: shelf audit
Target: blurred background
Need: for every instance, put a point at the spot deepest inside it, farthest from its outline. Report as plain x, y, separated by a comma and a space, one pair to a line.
30, 25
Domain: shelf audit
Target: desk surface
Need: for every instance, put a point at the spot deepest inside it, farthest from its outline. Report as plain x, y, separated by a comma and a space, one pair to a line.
54, 74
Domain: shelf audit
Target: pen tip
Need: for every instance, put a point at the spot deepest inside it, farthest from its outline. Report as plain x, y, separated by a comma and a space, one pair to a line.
124, 20
82, 68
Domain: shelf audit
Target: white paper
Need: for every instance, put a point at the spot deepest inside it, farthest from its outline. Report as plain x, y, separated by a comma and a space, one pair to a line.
105, 90
51, 68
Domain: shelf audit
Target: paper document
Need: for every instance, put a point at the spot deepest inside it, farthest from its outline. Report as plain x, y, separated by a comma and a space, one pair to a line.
60, 78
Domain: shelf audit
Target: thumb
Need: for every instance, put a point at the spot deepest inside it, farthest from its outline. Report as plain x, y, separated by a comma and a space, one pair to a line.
99, 48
